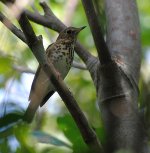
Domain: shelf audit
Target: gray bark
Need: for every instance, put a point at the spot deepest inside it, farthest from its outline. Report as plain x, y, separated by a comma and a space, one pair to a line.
117, 82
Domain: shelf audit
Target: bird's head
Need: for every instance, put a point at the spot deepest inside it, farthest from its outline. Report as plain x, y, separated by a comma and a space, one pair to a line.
70, 33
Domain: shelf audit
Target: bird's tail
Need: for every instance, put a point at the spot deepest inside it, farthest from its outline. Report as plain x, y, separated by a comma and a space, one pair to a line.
38, 95
30, 113
35, 101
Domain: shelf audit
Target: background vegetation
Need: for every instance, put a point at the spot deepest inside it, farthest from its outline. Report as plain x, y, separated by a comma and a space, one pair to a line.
53, 129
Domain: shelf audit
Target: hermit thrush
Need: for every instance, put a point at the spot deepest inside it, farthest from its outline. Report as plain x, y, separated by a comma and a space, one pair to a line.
61, 55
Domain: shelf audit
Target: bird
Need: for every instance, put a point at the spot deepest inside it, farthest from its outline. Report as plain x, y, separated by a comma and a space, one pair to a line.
60, 54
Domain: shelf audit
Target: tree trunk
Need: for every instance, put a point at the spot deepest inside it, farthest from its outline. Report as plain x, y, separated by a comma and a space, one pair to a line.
117, 81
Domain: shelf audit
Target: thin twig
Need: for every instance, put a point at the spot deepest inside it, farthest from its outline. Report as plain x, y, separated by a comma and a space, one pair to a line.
79, 65
36, 45
8, 1
45, 28
102, 49
48, 19
12, 27
23, 69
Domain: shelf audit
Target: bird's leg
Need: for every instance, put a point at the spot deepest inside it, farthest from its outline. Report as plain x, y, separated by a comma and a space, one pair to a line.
58, 75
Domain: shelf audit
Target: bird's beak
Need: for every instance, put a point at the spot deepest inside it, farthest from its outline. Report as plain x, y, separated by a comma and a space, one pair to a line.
79, 29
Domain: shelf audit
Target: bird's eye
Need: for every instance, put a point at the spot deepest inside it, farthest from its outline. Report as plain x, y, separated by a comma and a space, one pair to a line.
69, 32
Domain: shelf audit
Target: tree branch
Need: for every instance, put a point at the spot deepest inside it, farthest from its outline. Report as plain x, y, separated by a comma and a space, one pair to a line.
22, 69
79, 65
36, 45
51, 21
102, 49
123, 36
12, 27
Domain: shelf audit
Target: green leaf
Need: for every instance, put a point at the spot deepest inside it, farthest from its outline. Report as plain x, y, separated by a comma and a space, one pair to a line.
7, 131
47, 138
6, 64
145, 37
9, 118
69, 128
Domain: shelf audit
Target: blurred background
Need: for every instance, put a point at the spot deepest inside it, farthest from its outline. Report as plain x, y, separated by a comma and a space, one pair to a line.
53, 129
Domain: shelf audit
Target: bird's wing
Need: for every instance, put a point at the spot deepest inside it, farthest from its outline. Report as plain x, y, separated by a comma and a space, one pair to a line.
34, 81
38, 72
41, 90
49, 94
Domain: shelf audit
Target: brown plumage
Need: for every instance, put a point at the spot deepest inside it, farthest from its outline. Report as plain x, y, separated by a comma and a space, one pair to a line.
61, 55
